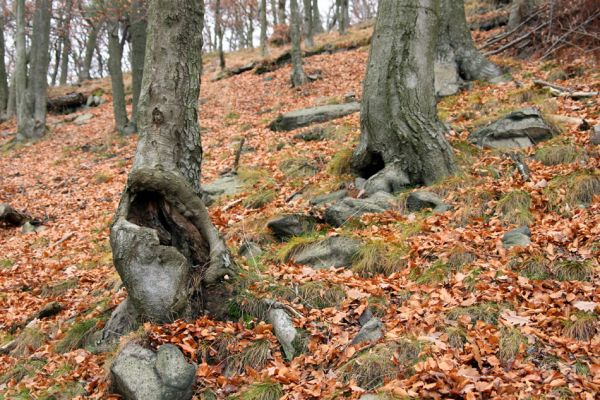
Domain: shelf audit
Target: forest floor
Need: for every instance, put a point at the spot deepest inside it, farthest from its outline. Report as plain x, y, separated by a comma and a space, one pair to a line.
463, 317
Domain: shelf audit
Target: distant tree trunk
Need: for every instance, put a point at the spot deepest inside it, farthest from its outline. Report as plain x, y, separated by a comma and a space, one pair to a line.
90, 46
309, 40
316, 19
3, 75
343, 16
57, 54
274, 11
116, 76
519, 10
281, 11
400, 130
219, 32
264, 49
167, 251
298, 75
20, 73
31, 115
455, 44
138, 51
66, 43
100, 60
250, 34
11, 108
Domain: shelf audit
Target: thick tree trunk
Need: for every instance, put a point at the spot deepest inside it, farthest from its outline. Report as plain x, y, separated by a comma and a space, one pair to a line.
171, 258
316, 18
3, 75
281, 11
66, 43
138, 52
309, 40
402, 142
456, 47
264, 49
116, 77
31, 121
219, 32
298, 75
90, 47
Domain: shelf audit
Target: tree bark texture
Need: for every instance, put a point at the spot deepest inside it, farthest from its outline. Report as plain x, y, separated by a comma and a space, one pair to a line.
138, 51
298, 75
519, 10
316, 19
400, 131
308, 24
219, 33
3, 75
281, 11
264, 49
116, 76
90, 47
171, 258
66, 43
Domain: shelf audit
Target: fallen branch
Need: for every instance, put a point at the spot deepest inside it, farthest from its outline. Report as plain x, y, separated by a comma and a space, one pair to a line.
562, 91
238, 154
517, 159
517, 40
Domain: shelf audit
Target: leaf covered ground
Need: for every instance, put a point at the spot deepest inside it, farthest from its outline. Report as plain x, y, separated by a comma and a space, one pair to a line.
464, 317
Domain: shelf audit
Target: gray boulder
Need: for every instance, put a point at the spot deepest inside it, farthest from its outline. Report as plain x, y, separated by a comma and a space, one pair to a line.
83, 119
123, 320
517, 237
372, 331
284, 330
226, 185
290, 225
422, 200
347, 209
328, 198
312, 135
595, 136
299, 118
390, 179
336, 251
517, 130
140, 374
250, 251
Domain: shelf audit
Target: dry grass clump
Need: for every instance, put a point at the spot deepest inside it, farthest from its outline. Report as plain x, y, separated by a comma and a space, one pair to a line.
255, 355
28, 342
535, 267
474, 207
457, 336
266, 390
371, 368
296, 245
511, 340
485, 312
514, 207
459, 257
21, 370
321, 295
559, 154
573, 190
437, 272
378, 257
260, 198
247, 305
77, 336
298, 168
340, 164
581, 326
573, 270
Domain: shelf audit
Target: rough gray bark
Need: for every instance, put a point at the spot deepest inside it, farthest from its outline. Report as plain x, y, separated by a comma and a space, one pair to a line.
281, 11
3, 75
309, 40
456, 46
316, 18
116, 76
400, 131
66, 43
20, 73
343, 17
170, 257
11, 108
264, 49
519, 10
90, 47
31, 116
219, 33
138, 51
298, 75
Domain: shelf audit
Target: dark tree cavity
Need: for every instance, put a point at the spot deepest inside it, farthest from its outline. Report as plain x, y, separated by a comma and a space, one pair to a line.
169, 255
402, 141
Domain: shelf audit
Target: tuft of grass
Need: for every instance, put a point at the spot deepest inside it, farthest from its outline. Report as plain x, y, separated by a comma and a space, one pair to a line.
6, 263
102, 177
300, 342
511, 340
266, 390
563, 393
260, 198
465, 152
472, 278
475, 206
255, 356
298, 168
573, 190
378, 257
460, 257
28, 342
457, 336
514, 207
21, 370
76, 336
374, 366
246, 305
485, 312
295, 245
379, 304
321, 295
437, 272
573, 270
582, 368
560, 154
581, 326
206, 394
340, 163
535, 267
59, 289
252, 176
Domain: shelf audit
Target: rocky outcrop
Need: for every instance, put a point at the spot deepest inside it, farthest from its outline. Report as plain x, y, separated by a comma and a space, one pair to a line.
336, 251
226, 185
423, 200
348, 209
299, 118
290, 225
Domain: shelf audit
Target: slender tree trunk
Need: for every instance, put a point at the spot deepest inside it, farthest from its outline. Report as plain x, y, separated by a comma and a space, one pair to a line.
219, 34
3, 75
264, 48
20, 73
298, 75
11, 108
138, 51
116, 76
309, 40
66, 43
250, 34
402, 141
57, 54
281, 11
90, 47
100, 60
167, 251
316, 19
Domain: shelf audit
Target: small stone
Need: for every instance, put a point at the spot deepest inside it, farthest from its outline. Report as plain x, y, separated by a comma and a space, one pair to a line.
83, 119
290, 225
173, 368
336, 251
595, 136
349, 209
250, 251
329, 198
226, 185
421, 200
372, 331
517, 237
365, 317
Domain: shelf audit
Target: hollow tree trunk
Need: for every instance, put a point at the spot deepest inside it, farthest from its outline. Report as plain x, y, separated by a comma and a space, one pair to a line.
3, 75
316, 18
264, 49
66, 44
298, 75
457, 55
308, 24
138, 51
116, 77
402, 142
171, 258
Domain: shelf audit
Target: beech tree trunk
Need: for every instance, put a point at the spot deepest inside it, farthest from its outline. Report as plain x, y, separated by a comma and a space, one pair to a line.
519, 10
171, 258
274, 11
138, 51
308, 24
264, 49
90, 47
316, 18
343, 16
3, 75
116, 77
31, 115
298, 75
456, 47
219, 33
281, 11
402, 142
66, 43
